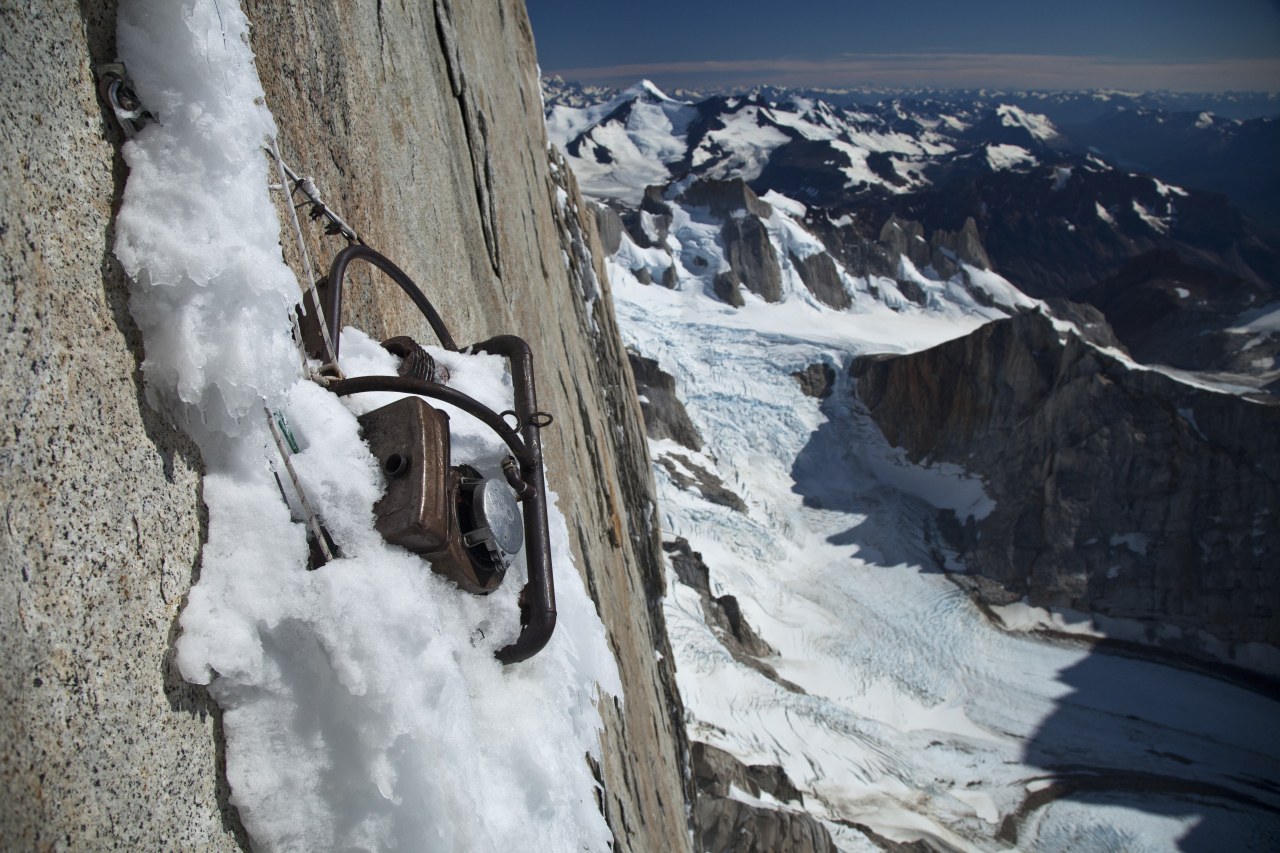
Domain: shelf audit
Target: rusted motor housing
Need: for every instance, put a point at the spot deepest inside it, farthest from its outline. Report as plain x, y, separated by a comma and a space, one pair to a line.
459, 521
489, 516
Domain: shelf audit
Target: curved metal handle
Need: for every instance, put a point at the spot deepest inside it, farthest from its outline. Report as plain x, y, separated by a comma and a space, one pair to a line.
361, 252
538, 598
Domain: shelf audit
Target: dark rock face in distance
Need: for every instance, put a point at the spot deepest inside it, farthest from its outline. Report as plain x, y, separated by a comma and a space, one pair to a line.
947, 248
726, 825
1119, 491
820, 276
664, 414
816, 380
726, 198
1235, 158
751, 256
726, 287
862, 248
1168, 310
905, 238
691, 476
723, 614
609, 227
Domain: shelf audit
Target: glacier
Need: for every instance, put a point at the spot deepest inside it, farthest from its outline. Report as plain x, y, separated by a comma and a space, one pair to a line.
915, 715
894, 702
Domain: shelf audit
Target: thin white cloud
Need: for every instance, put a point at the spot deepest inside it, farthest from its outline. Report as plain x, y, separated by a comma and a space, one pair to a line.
956, 70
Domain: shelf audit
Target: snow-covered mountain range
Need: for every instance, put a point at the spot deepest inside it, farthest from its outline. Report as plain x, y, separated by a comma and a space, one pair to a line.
1052, 216
838, 319
1216, 142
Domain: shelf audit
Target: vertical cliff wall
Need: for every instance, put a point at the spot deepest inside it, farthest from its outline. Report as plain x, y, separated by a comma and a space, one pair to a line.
421, 122
1118, 490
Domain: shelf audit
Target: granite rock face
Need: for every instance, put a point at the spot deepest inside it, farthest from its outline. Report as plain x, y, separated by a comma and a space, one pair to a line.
905, 238
690, 476
723, 614
1118, 490
942, 251
752, 260
947, 248
727, 825
738, 636
664, 413
817, 380
421, 124
727, 288
726, 198
609, 226
751, 256
822, 278
755, 263
716, 771
101, 741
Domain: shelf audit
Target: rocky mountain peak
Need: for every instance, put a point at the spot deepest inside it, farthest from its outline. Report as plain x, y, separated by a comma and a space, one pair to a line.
725, 198
1118, 489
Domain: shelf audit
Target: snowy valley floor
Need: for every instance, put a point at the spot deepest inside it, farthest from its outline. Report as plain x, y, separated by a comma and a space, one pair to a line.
915, 715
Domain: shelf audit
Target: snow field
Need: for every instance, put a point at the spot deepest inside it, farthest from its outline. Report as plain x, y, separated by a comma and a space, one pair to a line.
1002, 157
638, 149
1039, 126
619, 159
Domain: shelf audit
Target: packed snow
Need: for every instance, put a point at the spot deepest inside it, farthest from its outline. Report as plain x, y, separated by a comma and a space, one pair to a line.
1265, 319
1167, 189
363, 706
1153, 220
1038, 126
1005, 157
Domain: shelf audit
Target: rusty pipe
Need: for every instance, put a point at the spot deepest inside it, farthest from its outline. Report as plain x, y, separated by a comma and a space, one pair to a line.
361, 252
538, 598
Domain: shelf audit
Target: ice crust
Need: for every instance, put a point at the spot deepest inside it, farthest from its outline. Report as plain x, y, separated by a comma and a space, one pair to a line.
1038, 126
1004, 157
363, 706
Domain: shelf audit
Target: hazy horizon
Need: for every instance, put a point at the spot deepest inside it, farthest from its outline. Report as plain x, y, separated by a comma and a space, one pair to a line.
1133, 45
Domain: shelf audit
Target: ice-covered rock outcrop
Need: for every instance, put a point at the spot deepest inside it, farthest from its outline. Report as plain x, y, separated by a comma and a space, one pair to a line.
664, 413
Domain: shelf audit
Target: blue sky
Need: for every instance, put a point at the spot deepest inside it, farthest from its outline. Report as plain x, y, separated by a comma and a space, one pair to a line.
1182, 45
